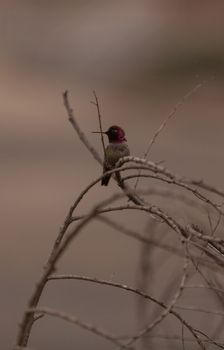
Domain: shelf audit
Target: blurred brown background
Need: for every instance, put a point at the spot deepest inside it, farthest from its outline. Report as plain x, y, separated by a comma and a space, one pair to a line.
141, 57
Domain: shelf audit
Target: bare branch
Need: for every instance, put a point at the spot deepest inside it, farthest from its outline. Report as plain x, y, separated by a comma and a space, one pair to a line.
164, 123
96, 103
75, 320
198, 309
170, 116
173, 179
135, 291
178, 338
200, 241
201, 286
205, 186
171, 305
80, 133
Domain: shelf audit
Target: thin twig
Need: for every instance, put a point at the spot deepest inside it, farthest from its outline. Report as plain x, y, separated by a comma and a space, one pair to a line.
145, 273
205, 186
201, 286
154, 210
57, 252
172, 179
148, 241
198, 309
178, 338
171, 115
96, 103
132, 290
164, 123
212, 341
208, 282
80, 133
38, 317
75, 320
171, 305
182, 337
28, 318
165, 218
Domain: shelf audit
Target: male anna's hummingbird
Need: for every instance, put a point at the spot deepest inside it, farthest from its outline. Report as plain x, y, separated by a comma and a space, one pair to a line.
116, 149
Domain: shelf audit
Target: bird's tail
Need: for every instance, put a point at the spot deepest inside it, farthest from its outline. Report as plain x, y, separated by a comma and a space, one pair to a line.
105, 180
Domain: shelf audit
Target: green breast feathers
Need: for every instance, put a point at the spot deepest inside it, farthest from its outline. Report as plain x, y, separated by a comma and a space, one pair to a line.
114, 152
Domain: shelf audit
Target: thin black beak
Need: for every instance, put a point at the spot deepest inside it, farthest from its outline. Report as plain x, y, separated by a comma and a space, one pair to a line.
99, 132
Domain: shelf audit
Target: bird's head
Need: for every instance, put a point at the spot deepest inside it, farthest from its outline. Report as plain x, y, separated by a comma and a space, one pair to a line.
115, 134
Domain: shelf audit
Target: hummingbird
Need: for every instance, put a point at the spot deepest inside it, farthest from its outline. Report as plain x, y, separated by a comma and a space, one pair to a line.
116, 149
